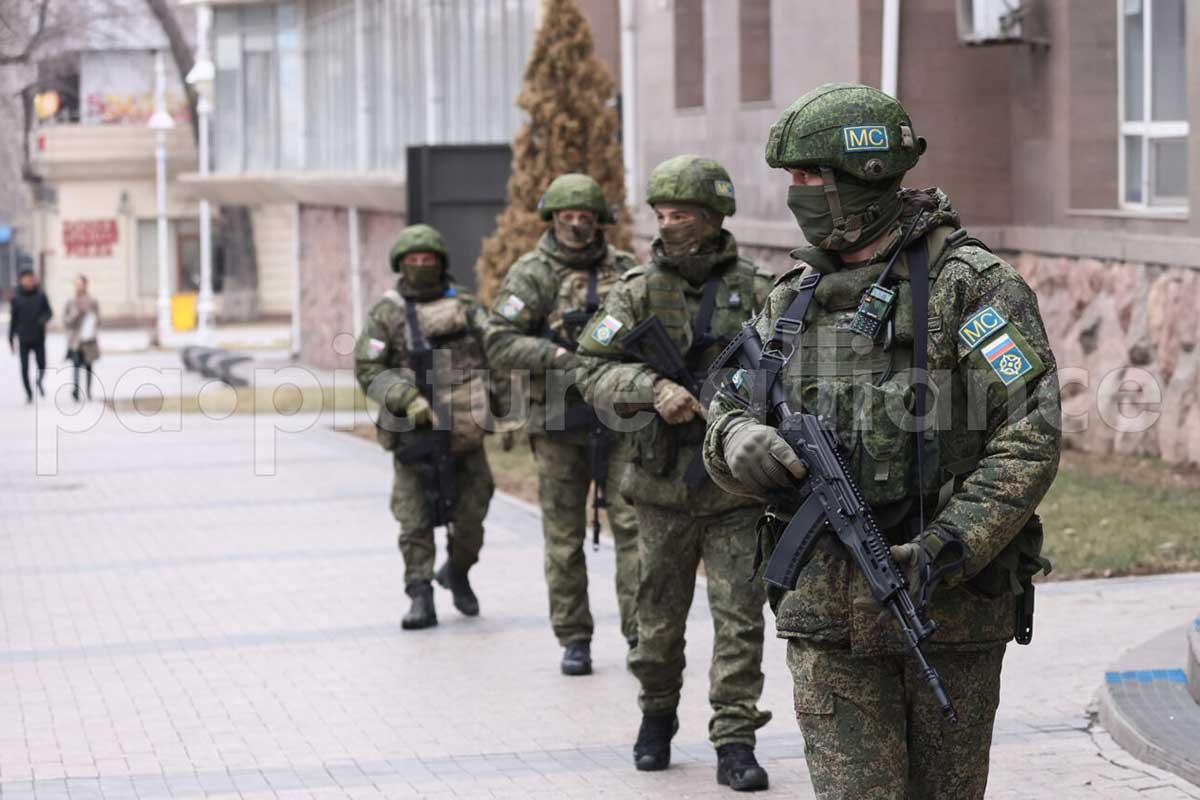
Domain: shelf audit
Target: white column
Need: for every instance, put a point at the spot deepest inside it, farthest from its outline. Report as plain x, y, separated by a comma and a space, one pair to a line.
356, 306
202, 76
889, 72
160, 123
629, 99
362, 87
296, 297
435, 98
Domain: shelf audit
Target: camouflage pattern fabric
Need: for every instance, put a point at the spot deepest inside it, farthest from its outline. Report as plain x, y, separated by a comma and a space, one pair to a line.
1006, 432
418, 239
542, 292
855, 129
575, 191
411, 510
872, 731
384, 369
691, 180
869, 724
660, 452
671, 545
564, 476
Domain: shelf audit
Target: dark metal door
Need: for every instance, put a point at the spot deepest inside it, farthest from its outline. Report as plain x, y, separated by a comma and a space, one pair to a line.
460, 190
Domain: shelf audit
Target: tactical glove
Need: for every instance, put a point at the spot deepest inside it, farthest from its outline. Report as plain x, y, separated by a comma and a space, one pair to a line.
419, 412
675, 404
760, 460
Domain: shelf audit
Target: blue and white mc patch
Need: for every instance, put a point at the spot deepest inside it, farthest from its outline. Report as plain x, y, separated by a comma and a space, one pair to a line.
865, 138
979, 326
723, 189
606, 329
511, 307
1006, 358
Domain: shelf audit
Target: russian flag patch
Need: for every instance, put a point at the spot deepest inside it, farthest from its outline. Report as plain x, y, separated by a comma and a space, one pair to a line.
1006, 359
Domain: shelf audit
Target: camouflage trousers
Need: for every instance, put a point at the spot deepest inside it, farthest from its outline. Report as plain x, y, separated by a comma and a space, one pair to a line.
873, 732
672, 543
564, 476
410, 507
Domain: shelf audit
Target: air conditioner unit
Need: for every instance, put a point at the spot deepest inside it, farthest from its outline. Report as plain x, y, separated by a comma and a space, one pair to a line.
993, 21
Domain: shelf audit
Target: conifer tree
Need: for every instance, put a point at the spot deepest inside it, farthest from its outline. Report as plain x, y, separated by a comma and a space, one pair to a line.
571, 128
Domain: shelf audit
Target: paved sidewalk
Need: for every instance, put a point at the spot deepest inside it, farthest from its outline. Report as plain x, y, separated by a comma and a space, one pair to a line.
173, 625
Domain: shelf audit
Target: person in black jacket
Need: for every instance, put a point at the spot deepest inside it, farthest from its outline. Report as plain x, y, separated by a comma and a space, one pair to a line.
27, 326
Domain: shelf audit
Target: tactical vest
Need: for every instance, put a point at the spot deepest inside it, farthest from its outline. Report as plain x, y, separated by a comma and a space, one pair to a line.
439, 334
826, 377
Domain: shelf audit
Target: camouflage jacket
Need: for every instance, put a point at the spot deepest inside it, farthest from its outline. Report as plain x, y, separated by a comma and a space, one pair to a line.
541, 306
452, 325
609, 379
991, 454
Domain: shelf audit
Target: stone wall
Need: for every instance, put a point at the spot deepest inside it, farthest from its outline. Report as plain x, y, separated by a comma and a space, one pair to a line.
326, 319
1124, 335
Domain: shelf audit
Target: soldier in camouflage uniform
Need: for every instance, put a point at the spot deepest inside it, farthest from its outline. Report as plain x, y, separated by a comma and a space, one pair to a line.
695, 272
428, 315
546, 298
871, 727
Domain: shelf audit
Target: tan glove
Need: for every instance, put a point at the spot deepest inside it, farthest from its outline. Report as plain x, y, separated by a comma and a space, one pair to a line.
675, 404
420, 412
760, 460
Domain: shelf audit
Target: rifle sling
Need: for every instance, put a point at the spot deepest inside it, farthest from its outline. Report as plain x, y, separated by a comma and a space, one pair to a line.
779, 348
702, 324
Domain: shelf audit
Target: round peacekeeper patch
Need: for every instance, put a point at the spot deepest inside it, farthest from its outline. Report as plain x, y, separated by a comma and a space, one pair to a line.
606, 329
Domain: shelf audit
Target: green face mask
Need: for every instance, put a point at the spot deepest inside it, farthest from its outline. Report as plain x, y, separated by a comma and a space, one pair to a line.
422, 279
867, 210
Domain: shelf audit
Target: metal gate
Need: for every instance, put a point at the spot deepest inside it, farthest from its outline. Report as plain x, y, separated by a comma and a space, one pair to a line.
459, 189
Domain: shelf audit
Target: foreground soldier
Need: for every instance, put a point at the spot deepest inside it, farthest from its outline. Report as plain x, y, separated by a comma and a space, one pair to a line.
546, 298
871, 727
702, 292
414, 337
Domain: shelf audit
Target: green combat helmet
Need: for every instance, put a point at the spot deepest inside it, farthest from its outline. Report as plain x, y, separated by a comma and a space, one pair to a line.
855, 129
418, 239
575, 191
694, 181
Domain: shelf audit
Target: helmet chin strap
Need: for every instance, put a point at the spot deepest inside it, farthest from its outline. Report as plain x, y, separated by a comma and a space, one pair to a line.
844, 231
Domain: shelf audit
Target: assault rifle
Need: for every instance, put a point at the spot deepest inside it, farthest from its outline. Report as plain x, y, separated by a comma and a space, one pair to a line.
649, 343
834, 504
428, 450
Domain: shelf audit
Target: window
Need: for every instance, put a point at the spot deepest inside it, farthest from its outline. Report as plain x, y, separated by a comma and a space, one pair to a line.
1154, 127
257, 123
754, 49
689, 53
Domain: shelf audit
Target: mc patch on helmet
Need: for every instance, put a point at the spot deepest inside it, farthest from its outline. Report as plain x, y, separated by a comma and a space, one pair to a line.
865, 138
723, 188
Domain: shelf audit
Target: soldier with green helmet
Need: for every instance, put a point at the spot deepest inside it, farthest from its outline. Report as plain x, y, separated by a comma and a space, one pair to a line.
417, 342
701, 291
544, 301
895, 310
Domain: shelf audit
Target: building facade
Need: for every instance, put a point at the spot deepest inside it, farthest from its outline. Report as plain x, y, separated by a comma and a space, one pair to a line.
1065, 143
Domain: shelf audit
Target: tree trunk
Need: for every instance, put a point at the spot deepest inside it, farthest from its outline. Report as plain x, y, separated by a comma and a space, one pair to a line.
240, 288
239, 291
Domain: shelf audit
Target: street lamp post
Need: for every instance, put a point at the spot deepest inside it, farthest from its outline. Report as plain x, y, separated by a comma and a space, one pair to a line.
201, 77
160, 123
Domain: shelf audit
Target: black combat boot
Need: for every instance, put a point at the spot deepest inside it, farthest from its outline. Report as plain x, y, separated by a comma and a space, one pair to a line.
455, 579
652, 751
577, 658
421, 614
738, 769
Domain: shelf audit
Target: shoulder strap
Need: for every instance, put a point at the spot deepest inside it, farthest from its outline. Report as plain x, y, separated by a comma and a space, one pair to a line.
416, 339
701, 340
779, 348
593, 292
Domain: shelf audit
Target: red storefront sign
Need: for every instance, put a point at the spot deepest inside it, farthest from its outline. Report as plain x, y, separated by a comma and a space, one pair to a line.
89, 238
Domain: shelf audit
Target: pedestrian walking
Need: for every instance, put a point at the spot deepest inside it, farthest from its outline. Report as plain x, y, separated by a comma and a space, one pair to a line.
81, 318
27, 329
